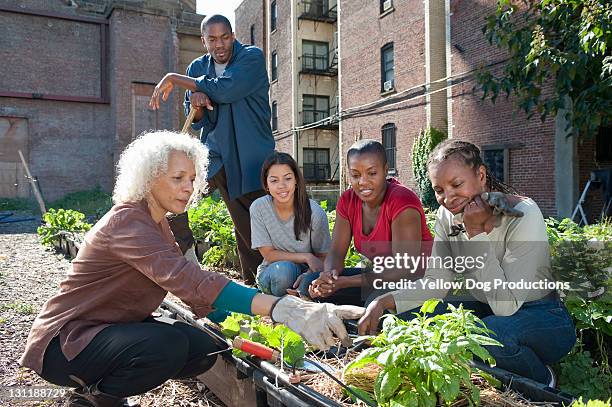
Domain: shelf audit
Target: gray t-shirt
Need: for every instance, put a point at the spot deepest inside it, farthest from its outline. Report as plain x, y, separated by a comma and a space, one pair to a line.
267, 229
220, 68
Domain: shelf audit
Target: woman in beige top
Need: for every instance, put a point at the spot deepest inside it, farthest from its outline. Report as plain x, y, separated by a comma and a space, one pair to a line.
505, 262
97, 333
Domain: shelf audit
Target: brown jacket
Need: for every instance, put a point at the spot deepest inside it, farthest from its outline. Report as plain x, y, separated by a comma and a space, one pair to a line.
122, 273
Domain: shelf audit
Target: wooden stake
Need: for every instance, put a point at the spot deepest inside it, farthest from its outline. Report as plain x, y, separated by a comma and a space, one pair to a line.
33, 182
188, 121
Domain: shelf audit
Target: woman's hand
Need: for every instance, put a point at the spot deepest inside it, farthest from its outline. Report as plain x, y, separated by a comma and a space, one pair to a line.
325, 285
315, 322
368, 324
476, 216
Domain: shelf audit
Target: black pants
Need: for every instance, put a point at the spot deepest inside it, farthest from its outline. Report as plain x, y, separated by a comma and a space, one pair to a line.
238, 209
133, 358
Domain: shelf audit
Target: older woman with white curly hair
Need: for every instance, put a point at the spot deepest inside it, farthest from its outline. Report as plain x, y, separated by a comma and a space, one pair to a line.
98, 334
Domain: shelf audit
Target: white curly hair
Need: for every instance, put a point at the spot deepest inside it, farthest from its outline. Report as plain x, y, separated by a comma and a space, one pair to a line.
146, 158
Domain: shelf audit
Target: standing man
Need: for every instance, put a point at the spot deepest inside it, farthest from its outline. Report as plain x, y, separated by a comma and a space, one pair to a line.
228, 87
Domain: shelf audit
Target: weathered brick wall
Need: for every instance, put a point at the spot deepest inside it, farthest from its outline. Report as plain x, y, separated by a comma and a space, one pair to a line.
532, 167
281, 90
73, 145
250, 13
70, 143
362, 34
133, 62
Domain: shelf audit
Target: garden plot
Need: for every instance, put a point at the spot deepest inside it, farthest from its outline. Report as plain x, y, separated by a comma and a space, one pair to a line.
582, 255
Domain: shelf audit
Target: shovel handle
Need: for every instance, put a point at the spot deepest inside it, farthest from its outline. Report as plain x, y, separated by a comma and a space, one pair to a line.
189, 120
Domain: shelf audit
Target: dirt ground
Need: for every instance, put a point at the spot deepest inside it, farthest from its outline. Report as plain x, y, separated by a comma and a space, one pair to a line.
29, 275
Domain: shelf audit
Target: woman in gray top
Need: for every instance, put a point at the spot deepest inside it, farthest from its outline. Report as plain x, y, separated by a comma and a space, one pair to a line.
290, 231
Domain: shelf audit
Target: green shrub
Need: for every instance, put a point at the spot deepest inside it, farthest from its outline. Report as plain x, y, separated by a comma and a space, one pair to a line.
59, 220
579, 375
423, 145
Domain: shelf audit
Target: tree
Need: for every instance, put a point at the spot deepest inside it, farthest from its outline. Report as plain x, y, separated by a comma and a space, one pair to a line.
559, 44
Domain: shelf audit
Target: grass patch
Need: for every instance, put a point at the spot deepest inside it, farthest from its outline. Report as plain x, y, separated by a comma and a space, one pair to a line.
16, 204
93, 203
19, 307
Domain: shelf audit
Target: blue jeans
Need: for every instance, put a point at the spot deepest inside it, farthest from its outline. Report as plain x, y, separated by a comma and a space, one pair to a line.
278, 276
540, 333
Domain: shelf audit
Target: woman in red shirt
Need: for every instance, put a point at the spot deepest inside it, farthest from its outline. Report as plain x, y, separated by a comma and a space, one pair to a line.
383, 217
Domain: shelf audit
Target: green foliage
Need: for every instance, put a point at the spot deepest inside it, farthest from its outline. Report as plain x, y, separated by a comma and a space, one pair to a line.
59, 220
583, 257
423, 144
580, 376
93, 203
15, 204
591, 403
279, 337
427, 359
563, 43
353, 258
19, 307
210, 221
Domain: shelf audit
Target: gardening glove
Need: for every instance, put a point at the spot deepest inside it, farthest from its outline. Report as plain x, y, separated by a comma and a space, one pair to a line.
315, 322
500, 204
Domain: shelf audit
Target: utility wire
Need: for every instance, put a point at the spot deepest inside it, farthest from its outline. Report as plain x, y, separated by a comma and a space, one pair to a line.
384, 102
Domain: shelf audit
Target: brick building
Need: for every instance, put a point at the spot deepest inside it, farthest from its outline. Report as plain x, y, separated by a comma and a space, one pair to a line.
406, 65
77, 77
300, 41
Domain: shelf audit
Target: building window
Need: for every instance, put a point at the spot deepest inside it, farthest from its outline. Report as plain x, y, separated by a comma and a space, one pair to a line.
316, 164
495, 160
388, 141
274, 66
315, 56
274, 116
273, 15
385, 5
603, 142
315, 108
253, 34
386, 68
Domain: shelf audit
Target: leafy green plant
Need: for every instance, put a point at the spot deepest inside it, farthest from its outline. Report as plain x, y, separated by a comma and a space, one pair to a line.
61, 220
422, 146
591, 403
426, 360
579, 375
211, 222
353, 258
582, 255
279, 337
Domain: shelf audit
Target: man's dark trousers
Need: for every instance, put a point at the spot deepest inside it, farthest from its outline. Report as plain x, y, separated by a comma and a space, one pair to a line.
239, 211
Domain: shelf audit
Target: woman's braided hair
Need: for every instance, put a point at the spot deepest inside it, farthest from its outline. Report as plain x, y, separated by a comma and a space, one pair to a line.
470, 155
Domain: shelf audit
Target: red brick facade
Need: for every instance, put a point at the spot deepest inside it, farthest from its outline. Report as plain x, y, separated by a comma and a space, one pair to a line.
363, 33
